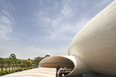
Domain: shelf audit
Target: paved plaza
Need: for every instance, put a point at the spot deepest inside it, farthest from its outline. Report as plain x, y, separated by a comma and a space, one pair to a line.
38, 72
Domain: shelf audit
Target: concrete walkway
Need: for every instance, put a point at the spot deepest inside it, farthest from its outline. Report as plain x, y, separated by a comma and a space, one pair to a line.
38, 72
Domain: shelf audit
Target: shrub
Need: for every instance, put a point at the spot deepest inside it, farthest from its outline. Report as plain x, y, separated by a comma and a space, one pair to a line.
25, 68
4, 72
17, 70
0, 73
14, 70
7, 72
22, 69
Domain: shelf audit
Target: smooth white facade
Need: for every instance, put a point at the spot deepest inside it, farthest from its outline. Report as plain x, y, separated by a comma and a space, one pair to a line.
94, 47
95, 44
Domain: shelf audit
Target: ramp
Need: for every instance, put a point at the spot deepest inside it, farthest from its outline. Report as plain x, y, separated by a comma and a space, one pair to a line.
38, 72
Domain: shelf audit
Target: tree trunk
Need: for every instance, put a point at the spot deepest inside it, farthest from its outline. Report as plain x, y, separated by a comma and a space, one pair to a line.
2, 70
6, 69
9, 69
12, 68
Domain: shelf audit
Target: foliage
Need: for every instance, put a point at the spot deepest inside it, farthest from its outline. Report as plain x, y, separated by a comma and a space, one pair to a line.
12, 56
47, 55
37, 60
12, 64
14, 70
27, 63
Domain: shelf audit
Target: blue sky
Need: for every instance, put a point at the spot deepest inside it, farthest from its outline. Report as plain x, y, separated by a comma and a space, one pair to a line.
31, 28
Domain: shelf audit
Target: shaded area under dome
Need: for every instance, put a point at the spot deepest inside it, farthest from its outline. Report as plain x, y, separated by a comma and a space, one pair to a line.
65, 63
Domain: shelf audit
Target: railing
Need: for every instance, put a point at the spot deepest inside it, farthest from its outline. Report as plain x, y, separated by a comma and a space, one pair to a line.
64, 71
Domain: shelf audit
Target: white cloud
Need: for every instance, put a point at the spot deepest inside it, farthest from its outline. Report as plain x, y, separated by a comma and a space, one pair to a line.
62, 23
66, 11
65, 23
5, 25
58, 26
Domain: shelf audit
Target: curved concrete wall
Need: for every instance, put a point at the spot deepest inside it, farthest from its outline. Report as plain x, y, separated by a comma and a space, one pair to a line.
57, 60
93, 49
95, 44
63, 61
78, 66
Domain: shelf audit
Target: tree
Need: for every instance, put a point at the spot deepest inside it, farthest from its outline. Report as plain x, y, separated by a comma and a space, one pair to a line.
18, 62
15, 62
5, 65
28, 63
12, 56
2, 62
47, 55
29, 59
37, 60
9, 63
12, 63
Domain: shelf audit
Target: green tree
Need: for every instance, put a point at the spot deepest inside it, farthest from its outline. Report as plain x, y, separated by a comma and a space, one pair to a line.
28, 63
15, 63
2, 62
37, 60
47, 55
12, 56
12, 63
9, 64
19, 62
29, 59
5, 65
